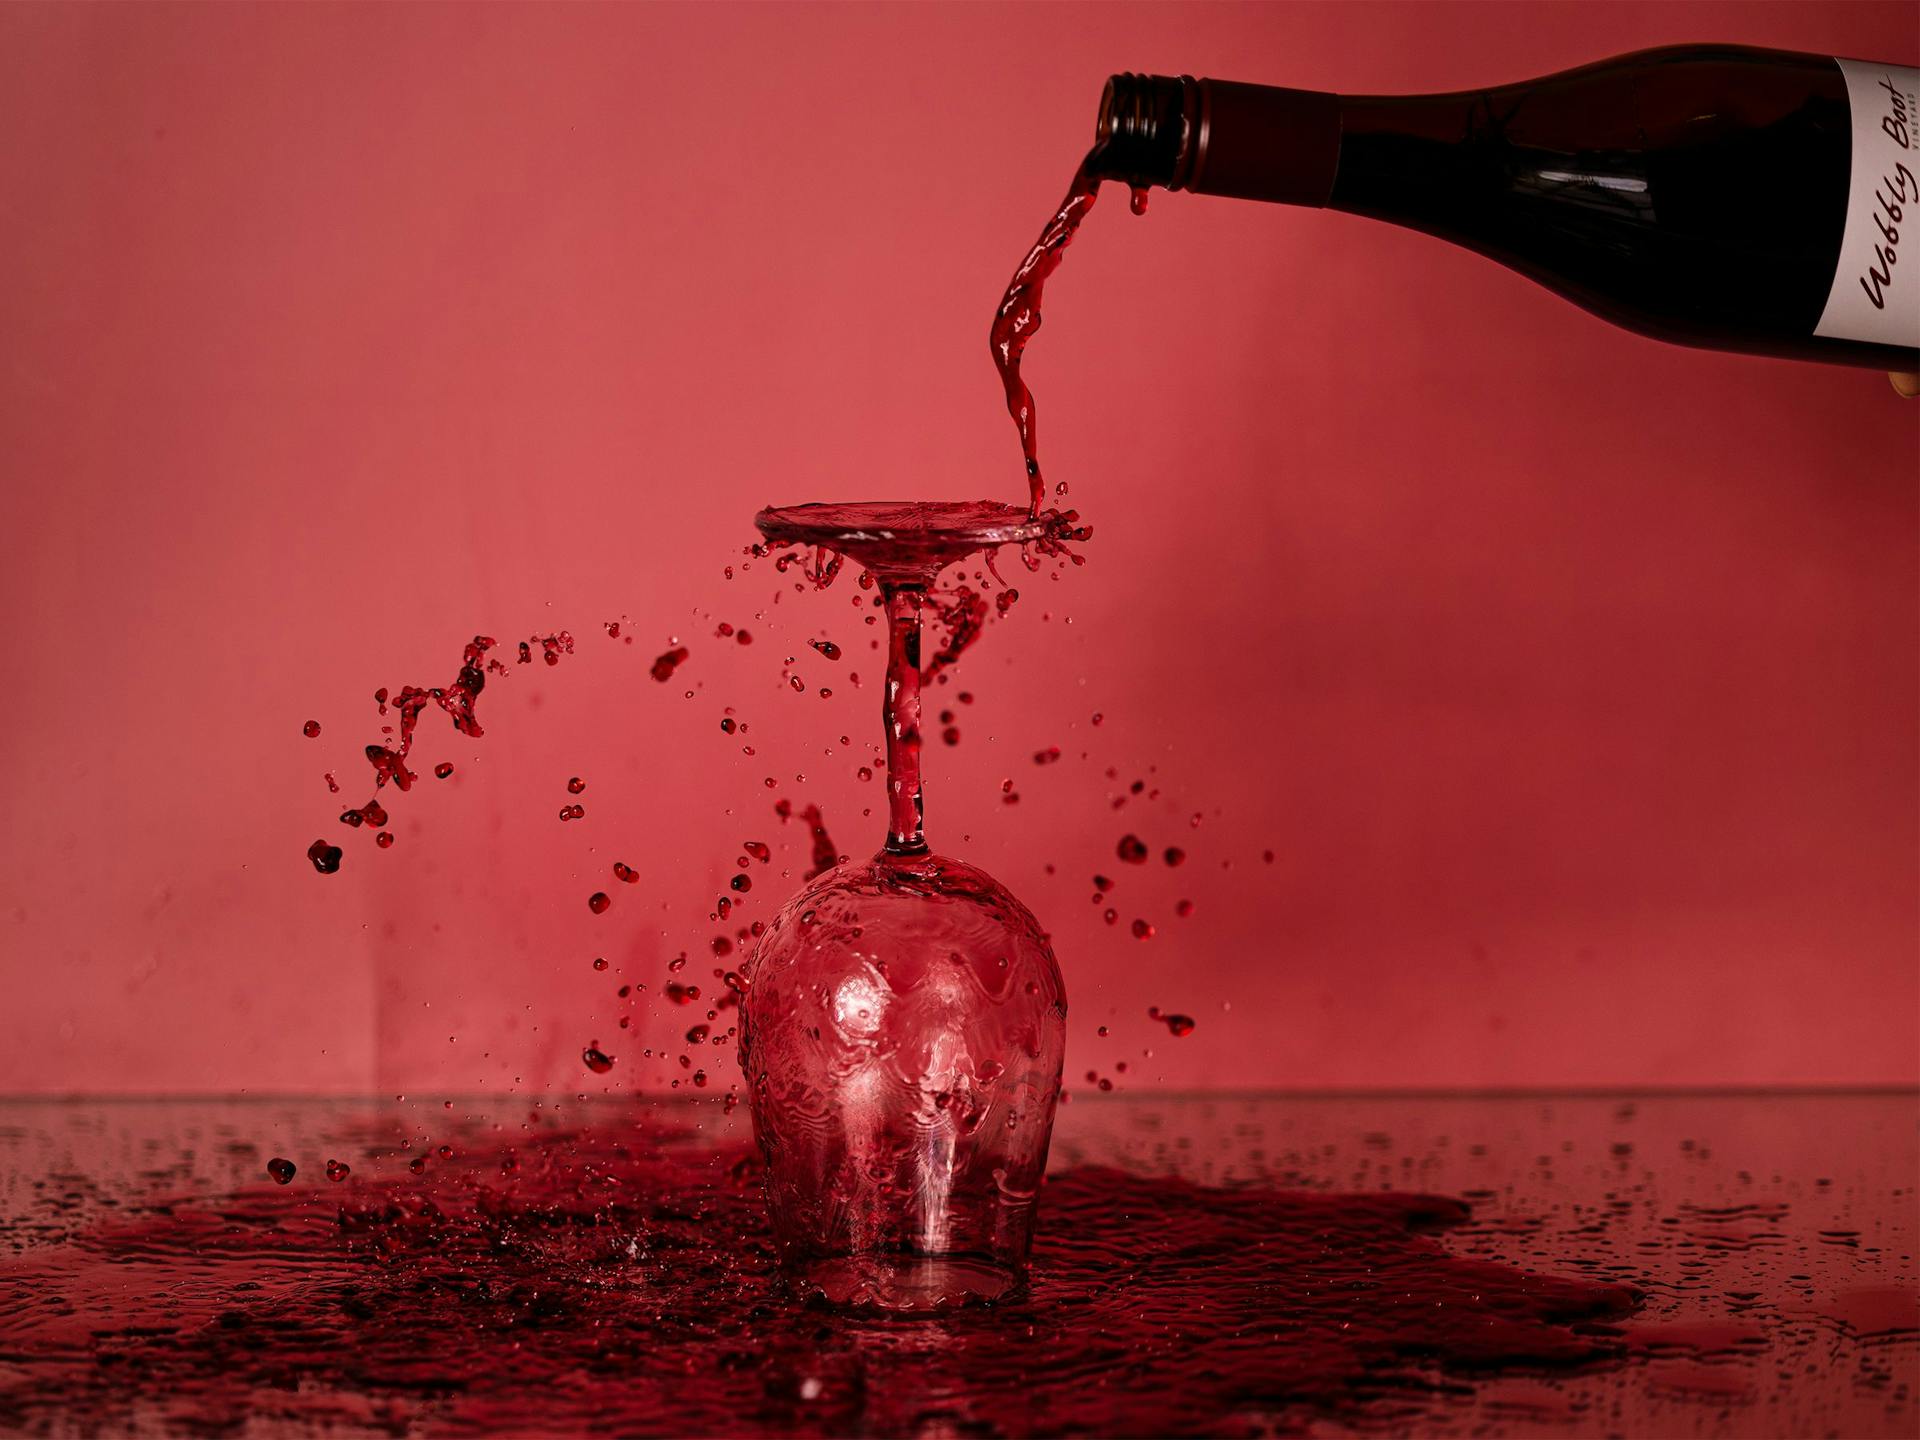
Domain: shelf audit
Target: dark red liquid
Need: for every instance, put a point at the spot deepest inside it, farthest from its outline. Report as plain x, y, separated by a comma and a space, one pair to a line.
900, 716
457, 699
621, 1283
824, 855
1017, 320
389, 762
614, 1277
1178, 1025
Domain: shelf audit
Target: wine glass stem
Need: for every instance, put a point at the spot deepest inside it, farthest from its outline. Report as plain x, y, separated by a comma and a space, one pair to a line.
900, 716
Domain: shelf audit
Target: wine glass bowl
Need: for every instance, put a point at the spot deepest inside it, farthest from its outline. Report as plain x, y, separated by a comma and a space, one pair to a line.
902, 1037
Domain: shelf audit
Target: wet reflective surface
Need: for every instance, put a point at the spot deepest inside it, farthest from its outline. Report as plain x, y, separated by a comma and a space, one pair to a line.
1683, 1265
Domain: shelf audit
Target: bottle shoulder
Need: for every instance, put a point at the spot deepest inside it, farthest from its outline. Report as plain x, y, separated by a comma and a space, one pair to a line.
1693, 66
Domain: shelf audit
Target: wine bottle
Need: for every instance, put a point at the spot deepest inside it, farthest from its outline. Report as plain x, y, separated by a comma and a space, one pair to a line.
1713, 195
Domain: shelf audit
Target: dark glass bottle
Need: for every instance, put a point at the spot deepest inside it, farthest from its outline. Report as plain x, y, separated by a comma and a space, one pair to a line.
1711, 195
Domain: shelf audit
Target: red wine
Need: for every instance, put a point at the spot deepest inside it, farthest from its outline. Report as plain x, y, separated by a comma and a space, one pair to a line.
619, 1282
612, 1275
1017, 319
389, 762
901, 719
1711, 195
823, 855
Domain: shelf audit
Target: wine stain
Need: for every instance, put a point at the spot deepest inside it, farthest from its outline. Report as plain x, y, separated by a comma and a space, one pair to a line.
621, 1281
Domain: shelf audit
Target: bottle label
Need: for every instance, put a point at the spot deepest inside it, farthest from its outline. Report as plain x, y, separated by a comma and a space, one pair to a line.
1876, 288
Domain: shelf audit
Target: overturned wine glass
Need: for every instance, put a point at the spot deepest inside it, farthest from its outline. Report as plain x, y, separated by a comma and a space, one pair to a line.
904, 1021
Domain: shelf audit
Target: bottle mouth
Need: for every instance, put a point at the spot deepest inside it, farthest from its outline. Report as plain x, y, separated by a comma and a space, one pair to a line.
1142, 132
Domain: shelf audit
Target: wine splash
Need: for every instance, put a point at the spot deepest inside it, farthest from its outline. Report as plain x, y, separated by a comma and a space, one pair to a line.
458, 699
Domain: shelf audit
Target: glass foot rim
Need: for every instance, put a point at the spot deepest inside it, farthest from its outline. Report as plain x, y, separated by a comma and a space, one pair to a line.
932, 525
905, 1285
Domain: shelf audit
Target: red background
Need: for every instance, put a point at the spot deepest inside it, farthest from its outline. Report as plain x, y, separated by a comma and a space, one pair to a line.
1571, 678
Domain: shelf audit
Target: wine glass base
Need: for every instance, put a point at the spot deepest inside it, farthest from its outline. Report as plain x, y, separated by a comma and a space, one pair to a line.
910, 541
906, 1285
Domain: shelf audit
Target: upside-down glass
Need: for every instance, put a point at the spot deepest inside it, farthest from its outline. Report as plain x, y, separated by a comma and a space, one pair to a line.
904, 1021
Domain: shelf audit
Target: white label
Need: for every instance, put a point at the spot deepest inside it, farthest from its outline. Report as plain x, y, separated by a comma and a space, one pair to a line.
1876, 289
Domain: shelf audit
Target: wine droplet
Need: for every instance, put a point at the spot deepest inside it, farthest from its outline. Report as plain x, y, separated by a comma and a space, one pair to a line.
1177, 1025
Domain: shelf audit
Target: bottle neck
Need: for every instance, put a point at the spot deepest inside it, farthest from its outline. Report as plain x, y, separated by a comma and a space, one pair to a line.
1216, 137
